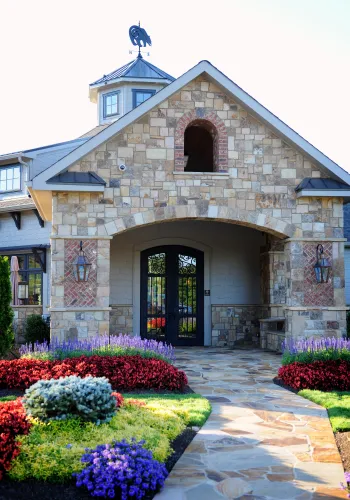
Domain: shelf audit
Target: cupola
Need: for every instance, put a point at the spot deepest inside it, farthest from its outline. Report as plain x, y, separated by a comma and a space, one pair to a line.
128, 86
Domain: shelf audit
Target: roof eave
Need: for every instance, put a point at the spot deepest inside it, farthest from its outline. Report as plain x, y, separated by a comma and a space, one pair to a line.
14, 157
95, 88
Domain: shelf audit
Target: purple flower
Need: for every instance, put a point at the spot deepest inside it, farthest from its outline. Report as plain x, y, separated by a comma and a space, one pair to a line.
69, 446
100, 344
126, 470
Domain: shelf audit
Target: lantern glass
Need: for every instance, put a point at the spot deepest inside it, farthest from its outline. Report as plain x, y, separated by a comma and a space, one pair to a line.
322, 266
81, 267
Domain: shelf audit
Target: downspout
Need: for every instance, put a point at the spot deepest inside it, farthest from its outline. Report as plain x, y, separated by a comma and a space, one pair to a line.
26, 165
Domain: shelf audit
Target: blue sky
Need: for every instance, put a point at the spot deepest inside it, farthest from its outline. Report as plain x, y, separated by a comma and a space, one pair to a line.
291, 55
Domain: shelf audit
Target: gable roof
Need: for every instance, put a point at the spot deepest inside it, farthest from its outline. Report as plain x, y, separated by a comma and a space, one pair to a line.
254, 107
139, 68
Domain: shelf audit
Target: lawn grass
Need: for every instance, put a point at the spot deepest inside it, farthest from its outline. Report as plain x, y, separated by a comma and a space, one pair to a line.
337, 404
45, 455
193, 409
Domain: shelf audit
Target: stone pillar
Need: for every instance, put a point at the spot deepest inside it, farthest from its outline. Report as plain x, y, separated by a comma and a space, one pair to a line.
79, 309
314, 309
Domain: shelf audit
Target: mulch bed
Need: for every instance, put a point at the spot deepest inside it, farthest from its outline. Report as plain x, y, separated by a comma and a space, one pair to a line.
343, 442
341, 438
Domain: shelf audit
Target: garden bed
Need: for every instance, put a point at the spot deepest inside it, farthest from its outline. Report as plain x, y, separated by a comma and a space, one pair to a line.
32, 490
319, 370
51, 452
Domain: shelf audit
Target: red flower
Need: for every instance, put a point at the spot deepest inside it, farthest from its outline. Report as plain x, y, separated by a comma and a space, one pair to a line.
319, 375
13, 421
125, 373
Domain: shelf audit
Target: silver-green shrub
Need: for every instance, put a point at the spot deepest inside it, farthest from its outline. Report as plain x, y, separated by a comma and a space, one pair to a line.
89, 399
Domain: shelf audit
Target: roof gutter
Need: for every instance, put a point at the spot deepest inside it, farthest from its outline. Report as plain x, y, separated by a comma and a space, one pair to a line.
15, 156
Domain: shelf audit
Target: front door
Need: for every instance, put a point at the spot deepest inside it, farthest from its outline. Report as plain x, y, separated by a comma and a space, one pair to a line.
172, 295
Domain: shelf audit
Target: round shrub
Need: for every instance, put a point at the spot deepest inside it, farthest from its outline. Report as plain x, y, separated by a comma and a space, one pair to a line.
124, 469
319, 375
36, 329
88, 398
125, 373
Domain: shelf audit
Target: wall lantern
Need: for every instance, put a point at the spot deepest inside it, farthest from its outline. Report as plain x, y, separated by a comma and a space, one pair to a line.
81, 266
322, 266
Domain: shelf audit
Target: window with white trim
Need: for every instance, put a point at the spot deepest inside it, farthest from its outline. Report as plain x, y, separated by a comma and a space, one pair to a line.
110, 104
10, 178
139, 96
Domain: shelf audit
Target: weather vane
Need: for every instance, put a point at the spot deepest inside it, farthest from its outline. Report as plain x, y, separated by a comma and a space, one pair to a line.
138, 36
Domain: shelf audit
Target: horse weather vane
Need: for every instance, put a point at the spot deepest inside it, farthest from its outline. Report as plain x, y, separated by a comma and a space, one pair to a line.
138, 36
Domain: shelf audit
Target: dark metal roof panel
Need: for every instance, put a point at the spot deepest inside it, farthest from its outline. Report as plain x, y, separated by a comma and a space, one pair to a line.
318, 183
139, 68
77, 178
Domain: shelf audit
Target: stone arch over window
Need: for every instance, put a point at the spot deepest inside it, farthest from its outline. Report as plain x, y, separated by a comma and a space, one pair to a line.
209, 122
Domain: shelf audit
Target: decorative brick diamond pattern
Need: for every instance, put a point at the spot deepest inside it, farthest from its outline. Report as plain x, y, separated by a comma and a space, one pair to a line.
79, 294
317, 294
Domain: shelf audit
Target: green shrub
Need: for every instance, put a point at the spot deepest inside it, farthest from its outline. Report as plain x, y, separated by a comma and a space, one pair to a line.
89, 399
6, 312
36, 329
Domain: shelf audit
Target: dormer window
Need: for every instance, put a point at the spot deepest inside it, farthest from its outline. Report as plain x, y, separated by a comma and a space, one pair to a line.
110, 104
10, 178
141, 95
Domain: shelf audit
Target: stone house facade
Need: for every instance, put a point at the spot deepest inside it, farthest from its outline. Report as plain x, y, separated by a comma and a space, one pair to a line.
191, 256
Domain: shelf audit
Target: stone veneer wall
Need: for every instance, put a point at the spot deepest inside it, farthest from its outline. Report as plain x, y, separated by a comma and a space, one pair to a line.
79, 310
120, 319
21, 313
256, 188
234, 324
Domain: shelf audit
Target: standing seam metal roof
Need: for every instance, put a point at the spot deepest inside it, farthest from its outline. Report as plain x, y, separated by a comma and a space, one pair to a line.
139, 68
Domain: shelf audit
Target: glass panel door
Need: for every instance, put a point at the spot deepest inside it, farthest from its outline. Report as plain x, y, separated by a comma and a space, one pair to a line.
172, 295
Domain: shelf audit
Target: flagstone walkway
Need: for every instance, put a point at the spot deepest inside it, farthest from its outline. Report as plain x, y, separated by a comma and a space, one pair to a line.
260, 442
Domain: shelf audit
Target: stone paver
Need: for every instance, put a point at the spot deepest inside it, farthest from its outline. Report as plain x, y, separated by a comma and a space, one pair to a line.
260, 442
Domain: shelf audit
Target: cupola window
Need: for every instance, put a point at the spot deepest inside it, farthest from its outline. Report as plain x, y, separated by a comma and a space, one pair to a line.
139, 96
110, 104
200, 141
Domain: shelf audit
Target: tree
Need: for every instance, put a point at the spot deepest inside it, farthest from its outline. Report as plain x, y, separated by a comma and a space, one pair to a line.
6, 312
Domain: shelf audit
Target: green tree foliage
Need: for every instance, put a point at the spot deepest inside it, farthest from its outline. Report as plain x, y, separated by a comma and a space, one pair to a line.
6, 312
36, 329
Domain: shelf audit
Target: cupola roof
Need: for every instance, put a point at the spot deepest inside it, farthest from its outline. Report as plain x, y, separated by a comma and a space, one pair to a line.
138, 68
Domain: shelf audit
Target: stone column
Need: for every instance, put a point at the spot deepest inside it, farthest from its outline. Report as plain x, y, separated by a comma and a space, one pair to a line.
314, 309
79, 309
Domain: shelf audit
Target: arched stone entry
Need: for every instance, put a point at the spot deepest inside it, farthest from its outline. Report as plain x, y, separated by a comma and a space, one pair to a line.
204, 211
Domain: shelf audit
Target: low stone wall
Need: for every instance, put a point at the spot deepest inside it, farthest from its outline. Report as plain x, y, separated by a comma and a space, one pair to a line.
20, 315
236, 324
305, 322
120, 319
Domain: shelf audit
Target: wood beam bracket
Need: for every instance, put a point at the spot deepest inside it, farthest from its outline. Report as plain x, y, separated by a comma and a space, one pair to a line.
40, 258
40, 220
16, 216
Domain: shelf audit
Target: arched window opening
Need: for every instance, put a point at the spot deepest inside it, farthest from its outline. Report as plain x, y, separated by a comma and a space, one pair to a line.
199, 146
